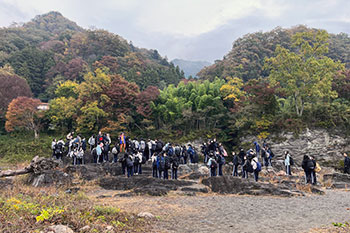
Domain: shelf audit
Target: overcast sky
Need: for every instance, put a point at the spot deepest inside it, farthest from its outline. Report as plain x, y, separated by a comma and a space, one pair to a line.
187, 29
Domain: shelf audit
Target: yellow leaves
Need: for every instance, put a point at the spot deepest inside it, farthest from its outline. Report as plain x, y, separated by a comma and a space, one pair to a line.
232, 90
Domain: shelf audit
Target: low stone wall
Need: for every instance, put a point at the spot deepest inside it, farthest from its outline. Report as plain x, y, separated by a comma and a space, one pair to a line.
326, 147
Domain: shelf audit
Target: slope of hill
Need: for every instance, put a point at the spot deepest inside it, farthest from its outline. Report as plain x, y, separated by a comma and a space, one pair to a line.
51, 48
247, 56
190, 68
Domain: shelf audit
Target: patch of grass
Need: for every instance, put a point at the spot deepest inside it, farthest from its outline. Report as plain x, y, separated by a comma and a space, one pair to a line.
27, 209
17, 149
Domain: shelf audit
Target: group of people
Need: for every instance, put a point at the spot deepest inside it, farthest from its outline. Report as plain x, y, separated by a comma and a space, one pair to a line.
76, 148
132, 154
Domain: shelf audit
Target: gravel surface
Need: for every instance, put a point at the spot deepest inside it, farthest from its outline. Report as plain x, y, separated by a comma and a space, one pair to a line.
232, 213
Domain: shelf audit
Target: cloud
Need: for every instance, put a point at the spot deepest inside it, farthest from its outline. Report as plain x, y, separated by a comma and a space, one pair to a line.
188, 29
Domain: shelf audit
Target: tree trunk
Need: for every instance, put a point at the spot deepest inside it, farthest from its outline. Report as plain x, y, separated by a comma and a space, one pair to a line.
14, 173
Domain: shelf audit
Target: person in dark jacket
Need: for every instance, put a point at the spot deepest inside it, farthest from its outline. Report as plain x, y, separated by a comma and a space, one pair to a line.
346, 164
212, 164
235, 162
167, 166
130, 164
174, 166
241, 156
313, 172
123, 162
221, 161
308, 166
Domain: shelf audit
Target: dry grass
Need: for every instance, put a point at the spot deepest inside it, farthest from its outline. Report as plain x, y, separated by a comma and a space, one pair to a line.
28, 209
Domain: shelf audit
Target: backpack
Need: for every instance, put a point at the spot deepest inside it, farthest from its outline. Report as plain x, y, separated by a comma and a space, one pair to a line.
195, 157
214, 164
142, 145
58, 148
137, 160
249, 167
291, 161
318, 167
154, 163
222, 160
129, 162
258, 167
161, 163
114, 150
94, 152
167, 162
177, 151
171, 151
143, 159
175, 163
159, 146
310, 165
153, 147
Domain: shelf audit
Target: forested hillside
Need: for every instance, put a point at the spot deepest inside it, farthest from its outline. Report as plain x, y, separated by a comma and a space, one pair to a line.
247, 56
282, 80
51, 49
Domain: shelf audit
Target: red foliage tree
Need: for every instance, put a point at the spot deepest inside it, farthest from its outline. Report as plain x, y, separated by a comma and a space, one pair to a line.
122, 94
144, 99
23, 114
11, 86
262, 95
108, 61
75, 69
341, 84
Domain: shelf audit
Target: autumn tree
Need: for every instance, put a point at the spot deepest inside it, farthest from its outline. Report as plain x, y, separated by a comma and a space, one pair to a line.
23, 114
11, 87
306, 74
144, 99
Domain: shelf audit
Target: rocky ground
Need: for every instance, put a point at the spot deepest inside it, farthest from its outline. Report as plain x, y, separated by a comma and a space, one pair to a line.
233, 213
198, 203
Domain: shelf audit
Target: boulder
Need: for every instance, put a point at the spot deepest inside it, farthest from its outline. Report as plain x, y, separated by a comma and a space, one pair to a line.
337, 180
143, 185
94, 171
235, 185
145, 215
49, 178
204, 170
184, 169
59, 229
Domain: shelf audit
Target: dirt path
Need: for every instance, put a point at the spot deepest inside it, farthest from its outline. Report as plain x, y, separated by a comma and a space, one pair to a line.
219, 213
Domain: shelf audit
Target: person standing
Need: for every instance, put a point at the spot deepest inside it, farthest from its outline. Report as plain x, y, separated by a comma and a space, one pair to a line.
287, 162
99, 150
257, 149
154, 166
130, 164
122, 142
91, 142
308, 166
212, 164
313, 171
256, 167
346, 164
241, 156
221, 162
235, 164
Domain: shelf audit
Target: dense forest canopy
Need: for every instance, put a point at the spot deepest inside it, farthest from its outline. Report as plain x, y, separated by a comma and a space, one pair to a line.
51, 48
285, 79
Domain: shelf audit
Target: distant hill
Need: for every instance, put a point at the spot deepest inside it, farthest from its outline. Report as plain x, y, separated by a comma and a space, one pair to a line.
191, 68
248, 53
51, 48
